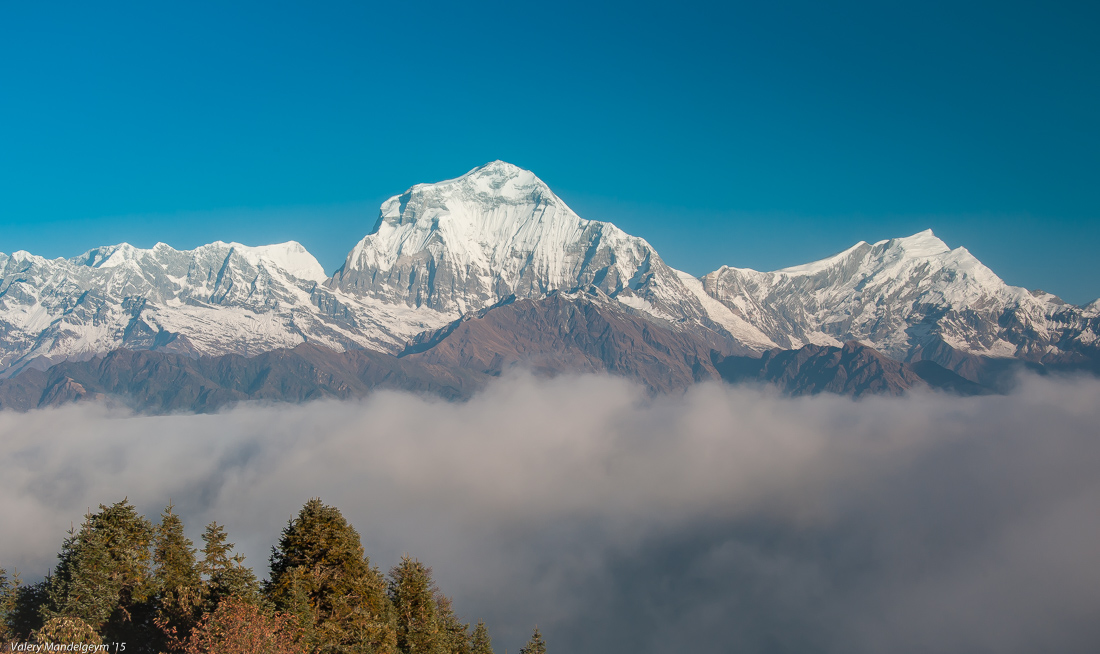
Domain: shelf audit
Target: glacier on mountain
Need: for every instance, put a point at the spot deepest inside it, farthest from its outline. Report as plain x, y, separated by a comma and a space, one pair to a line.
467, 243
442, 251
904, 297
215, 299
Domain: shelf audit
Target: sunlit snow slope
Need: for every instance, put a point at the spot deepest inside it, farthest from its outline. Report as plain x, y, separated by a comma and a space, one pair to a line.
218, 298
905, 297
442, 251
466, 243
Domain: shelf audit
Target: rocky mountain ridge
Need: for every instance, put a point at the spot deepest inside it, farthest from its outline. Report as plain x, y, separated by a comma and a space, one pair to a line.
912, 298
459, 255
555, 335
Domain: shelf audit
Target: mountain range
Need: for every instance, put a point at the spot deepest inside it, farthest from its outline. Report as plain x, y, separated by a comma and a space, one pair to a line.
462, 279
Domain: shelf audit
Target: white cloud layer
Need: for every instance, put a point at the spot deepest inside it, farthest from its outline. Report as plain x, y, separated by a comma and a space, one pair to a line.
724, 520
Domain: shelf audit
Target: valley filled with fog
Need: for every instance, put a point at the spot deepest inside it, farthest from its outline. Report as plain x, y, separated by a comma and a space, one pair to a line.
726, 518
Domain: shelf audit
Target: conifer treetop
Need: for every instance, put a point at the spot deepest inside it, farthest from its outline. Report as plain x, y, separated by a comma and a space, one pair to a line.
534, 646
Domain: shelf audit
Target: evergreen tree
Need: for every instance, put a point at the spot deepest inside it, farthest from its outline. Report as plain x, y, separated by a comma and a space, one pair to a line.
413, 596
320, 574
9, 595
27, 608
173, 554
535, 645
176, 575
237, 580
455, 633
480, 643
215, 554
104, 576
226, 576
118, 578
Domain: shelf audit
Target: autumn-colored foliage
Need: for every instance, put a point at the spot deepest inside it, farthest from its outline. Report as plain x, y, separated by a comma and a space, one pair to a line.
67, 630
237, 627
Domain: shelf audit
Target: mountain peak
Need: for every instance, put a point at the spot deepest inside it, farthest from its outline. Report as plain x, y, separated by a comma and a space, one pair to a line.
498, 230
23, 255
497, 179
290, 256
921, 244
497, 168
109, 256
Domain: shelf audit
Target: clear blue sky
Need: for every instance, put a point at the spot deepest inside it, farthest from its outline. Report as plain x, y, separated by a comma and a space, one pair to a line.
753, 134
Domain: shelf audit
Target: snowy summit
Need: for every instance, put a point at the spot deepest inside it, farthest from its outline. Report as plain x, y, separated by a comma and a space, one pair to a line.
439, 252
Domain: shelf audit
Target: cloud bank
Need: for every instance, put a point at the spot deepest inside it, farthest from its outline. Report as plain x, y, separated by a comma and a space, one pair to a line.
727, 519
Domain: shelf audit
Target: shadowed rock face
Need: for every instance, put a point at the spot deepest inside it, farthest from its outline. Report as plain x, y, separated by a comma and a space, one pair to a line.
854, 370
555, 335
571, 333
160, 382
561, 333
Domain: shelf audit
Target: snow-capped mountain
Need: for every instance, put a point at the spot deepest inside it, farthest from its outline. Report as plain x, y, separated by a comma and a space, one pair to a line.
467, 243
463, 244
215, 299
907, 297
444, 252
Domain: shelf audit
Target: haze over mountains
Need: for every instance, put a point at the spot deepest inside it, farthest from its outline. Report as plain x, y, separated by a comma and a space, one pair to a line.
461, 279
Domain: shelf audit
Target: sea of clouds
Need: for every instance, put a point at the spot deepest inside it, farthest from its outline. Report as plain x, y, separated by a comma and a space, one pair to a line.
726, 519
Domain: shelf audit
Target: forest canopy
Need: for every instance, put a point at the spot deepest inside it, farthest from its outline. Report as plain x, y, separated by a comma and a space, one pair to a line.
124, 583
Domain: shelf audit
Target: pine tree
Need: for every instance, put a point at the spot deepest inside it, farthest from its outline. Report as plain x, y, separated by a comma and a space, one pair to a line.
480, 643
174, 554
455, 633
9, 596
179, 597
27, 608
104, 576
320, 574
535, 645
412, 593
226, 576
215, 554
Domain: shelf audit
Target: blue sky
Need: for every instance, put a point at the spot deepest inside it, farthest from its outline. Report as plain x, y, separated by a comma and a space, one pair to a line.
724, 133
